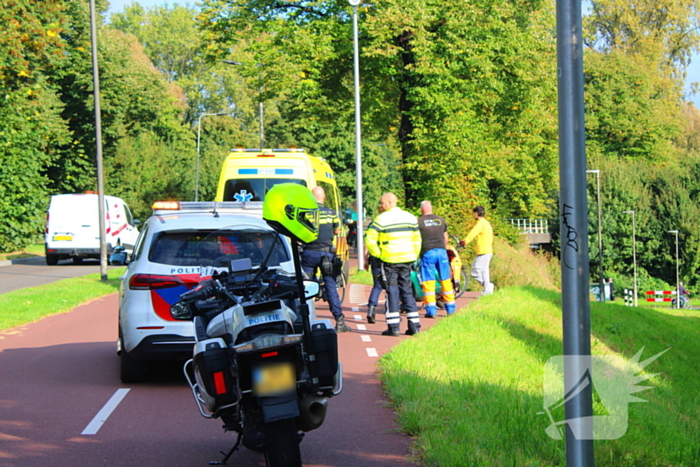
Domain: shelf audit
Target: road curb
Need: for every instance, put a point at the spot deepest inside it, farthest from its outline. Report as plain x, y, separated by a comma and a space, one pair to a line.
11, 262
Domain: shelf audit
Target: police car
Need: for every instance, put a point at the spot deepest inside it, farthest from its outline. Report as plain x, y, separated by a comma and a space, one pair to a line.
180, 243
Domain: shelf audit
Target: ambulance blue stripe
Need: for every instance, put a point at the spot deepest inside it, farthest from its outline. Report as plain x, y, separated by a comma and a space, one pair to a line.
247, 171
284, 171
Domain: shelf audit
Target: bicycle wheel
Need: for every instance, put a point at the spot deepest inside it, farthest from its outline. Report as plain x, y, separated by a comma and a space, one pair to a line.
342, 283
461, 286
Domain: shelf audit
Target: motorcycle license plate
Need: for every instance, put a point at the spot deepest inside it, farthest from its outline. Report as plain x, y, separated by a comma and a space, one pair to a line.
273, 379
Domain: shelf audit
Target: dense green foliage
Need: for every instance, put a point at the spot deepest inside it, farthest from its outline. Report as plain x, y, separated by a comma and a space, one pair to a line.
458, 106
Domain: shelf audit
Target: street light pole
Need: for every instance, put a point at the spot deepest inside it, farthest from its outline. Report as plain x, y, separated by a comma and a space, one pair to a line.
358, 139
98, 147
634, 252
196, 165
678, 288
601, 279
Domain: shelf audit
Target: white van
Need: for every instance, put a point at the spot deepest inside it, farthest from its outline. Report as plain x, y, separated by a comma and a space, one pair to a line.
73, 222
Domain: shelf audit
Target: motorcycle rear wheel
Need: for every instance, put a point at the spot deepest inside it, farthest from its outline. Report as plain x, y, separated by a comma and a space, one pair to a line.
282, 444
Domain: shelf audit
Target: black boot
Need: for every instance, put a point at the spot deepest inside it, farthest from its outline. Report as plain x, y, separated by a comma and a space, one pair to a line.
391, 332
370, 314
340, 325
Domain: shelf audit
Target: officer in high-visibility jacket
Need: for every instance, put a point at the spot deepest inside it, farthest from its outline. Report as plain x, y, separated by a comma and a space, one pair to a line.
395, 240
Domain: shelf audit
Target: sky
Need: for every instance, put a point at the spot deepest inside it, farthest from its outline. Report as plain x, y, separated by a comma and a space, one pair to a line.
118, 6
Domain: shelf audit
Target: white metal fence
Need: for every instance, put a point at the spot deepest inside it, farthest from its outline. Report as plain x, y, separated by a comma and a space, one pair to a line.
530, 226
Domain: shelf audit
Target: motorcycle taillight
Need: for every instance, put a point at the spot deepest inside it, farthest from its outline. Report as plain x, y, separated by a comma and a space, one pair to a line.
153, 281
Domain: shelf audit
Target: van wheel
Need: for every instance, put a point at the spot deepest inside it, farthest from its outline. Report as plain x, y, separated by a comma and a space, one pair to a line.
52, 260
77, 260
131, 371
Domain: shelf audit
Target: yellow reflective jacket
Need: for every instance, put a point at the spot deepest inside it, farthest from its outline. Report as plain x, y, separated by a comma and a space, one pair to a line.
394, 237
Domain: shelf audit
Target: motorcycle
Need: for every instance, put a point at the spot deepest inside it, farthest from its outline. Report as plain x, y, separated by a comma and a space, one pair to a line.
262, 362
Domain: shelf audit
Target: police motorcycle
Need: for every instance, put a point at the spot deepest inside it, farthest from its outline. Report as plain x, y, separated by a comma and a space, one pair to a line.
262, 363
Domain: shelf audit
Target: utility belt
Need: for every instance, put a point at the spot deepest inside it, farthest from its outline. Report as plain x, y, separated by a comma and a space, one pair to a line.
322, 248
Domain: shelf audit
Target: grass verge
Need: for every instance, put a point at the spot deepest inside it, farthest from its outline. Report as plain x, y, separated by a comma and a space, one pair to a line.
36, 249
470, 389
32, 304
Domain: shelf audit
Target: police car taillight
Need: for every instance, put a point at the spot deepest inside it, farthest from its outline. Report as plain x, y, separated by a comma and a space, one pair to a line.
153, 281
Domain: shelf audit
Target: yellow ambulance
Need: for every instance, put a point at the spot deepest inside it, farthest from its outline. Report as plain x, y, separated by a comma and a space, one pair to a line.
248, 174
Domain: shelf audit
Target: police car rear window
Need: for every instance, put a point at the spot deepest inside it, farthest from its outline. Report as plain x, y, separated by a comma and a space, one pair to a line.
203, 248
253, 189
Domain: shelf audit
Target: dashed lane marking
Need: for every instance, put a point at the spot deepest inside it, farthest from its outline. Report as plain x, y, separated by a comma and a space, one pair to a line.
358, 317
372, 352
358, 294
94, 426
365, 338
361, 327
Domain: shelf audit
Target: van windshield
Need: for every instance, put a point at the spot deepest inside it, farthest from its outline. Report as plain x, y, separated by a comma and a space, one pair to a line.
253, 189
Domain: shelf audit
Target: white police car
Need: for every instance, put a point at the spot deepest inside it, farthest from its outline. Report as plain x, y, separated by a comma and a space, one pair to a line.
175, 244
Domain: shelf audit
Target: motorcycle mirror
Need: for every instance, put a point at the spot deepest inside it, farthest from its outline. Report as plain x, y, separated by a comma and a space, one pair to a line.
180, 311
119, 257
311, 289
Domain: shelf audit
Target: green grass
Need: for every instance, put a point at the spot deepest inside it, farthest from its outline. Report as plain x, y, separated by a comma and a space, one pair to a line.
469, 389
36, 249
32, 304
361, 277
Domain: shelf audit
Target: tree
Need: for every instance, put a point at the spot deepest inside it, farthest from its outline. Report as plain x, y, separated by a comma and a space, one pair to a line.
32, 132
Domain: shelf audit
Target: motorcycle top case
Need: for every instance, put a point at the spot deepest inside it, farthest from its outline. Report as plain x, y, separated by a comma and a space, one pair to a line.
326, 347
212, 369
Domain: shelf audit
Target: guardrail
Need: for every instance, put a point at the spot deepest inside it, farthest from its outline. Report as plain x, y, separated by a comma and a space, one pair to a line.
660, 295
530, 226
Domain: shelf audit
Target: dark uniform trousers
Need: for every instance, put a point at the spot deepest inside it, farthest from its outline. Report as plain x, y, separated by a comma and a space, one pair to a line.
310, 261
397, 278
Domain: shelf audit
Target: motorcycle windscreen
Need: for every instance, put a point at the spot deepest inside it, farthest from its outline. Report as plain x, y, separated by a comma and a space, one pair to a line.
273, 379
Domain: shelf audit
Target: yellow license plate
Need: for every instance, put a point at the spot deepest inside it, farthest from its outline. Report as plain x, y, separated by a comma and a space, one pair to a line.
58, 238
274, 378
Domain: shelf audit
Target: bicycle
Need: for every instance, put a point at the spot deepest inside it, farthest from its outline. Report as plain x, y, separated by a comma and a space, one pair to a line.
685, 302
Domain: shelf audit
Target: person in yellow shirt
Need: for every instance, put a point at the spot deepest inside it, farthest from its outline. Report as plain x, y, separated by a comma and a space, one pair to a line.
483, 233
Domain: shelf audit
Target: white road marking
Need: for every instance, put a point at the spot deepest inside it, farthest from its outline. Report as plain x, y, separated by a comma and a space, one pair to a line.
357, 294
102, 416
358, 317
361, 327
355, 309
372, 352
366, 338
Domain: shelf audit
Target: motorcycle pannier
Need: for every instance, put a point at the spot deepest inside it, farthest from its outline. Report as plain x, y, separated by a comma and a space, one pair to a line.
213, 366
326, 345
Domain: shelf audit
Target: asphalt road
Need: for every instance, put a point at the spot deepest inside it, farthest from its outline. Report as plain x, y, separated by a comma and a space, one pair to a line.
34, 271
60, 375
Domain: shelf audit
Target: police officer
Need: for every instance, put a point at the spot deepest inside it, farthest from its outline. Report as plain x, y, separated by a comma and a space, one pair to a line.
315, 252
394, 238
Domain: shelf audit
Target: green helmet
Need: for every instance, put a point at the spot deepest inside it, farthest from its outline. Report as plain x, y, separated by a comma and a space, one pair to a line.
291, 209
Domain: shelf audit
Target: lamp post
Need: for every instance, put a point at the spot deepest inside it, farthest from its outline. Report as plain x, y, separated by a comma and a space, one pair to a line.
678, 292
358, 139
634, 252
196, 165
601, 279
98, 146
260, 107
